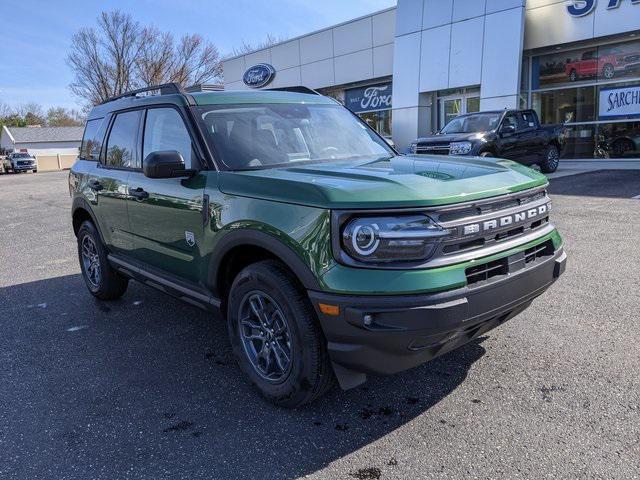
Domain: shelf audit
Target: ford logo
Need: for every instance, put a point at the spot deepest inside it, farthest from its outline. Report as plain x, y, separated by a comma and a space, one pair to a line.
259, 75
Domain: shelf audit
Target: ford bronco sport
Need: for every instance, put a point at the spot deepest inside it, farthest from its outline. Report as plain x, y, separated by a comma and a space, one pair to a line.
329, 255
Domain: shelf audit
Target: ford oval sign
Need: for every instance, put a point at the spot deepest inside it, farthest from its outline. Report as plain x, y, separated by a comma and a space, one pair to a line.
259, 75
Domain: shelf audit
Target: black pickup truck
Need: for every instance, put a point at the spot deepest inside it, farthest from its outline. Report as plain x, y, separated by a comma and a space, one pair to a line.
513, 134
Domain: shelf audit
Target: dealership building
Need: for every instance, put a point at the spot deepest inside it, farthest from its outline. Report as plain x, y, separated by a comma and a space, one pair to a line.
410, 69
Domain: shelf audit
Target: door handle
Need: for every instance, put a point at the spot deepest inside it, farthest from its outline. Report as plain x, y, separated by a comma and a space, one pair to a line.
95, 185
139, 193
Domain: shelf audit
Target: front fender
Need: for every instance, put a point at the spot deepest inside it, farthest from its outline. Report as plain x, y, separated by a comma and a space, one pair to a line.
251, 237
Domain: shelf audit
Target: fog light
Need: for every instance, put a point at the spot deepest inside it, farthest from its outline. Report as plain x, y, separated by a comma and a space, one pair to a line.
368, 320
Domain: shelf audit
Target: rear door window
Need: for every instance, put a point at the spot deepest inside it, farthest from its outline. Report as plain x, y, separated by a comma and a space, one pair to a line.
121, 149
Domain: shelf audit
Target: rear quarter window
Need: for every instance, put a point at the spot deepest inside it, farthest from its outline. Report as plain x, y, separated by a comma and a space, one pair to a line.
92, 140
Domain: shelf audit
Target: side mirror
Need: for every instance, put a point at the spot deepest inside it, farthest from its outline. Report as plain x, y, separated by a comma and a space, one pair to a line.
165, 164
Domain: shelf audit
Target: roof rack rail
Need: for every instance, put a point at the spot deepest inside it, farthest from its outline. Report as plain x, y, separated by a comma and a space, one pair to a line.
165, 89
296, 89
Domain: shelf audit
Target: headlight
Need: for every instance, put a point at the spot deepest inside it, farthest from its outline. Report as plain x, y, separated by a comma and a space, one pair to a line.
414, 147
391, 239
460, 148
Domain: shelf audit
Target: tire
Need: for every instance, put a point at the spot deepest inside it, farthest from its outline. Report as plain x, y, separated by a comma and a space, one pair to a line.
551, 160
608, 71
35, 171
622, 146
573, 76
102, 280
289, 368
487, 155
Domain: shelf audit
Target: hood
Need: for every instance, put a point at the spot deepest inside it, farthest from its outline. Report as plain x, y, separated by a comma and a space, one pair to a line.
453, 137
402, 181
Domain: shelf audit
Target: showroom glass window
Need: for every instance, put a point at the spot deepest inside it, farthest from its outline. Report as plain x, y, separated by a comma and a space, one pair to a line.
372, 103
571, 87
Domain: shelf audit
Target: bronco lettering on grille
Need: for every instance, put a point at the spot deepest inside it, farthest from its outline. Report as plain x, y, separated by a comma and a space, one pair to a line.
506, 220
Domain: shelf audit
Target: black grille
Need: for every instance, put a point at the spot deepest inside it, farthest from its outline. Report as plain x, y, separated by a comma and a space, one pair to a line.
483, 273
434, 149
539, 251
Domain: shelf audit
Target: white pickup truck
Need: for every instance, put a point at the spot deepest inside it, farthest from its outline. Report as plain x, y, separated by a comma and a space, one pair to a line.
20, 162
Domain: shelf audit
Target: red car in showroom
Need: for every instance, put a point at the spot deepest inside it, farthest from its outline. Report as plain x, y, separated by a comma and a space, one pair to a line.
607, 65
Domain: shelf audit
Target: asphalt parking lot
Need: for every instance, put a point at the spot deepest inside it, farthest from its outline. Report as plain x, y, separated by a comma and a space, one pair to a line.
145, 387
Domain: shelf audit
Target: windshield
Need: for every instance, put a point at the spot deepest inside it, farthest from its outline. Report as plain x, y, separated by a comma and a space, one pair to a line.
273, 135
21, 155
481, 122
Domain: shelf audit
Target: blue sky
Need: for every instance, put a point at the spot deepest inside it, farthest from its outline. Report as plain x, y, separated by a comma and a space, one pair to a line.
35, 42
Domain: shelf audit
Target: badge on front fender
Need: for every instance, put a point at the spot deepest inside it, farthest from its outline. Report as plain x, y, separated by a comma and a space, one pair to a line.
190, 238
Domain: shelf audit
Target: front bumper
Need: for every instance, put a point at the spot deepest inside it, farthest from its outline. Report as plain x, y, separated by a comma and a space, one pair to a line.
18, 168
408, 330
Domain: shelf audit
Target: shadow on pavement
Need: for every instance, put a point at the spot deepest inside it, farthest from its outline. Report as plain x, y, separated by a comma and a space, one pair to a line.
146, 387
602, 183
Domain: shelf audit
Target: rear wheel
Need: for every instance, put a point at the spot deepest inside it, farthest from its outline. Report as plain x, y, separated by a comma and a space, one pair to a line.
573, 76
102, 280
276, 337
608, 71
551, 160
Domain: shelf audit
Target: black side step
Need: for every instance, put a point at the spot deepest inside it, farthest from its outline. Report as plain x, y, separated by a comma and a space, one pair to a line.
183, 292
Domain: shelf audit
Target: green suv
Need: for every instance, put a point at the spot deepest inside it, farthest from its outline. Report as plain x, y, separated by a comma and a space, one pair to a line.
329, 255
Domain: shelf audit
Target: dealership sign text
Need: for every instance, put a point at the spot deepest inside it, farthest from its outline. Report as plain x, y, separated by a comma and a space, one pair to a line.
368, 99
620, 102
580, 8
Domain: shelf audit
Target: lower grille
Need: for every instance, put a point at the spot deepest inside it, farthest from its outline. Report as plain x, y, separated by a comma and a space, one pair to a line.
482, 273
539, 251
479, 274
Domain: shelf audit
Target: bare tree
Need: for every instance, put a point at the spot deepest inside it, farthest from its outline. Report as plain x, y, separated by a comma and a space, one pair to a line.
5, 110
156, 57
61, 117
266, 43
190, 61
195, 61
102, 58
120, 55
31, 114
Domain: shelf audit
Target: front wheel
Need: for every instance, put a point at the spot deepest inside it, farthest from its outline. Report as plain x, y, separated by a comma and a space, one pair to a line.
551, 160
276, 337
102, 280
